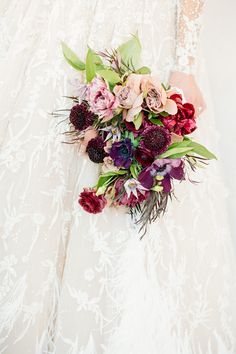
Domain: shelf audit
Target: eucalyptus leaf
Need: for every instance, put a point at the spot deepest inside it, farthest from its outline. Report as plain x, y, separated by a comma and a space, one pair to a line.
72, 58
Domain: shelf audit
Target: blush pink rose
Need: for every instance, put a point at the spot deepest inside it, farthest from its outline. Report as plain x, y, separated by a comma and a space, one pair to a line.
101, 100
157, 98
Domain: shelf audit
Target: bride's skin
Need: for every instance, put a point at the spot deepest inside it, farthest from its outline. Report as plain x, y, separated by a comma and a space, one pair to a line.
191, 91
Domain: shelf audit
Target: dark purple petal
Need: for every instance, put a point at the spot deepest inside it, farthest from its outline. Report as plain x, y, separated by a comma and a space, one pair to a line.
166, 184
177, 172
146, 179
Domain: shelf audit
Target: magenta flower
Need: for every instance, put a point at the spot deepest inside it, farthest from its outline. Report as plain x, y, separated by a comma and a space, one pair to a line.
101, 100
168, 168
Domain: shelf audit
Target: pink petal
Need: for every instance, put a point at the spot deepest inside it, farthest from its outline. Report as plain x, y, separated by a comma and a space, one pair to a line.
170, 107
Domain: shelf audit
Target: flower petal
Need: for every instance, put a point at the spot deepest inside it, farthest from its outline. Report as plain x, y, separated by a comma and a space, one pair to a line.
166, 184
170, 107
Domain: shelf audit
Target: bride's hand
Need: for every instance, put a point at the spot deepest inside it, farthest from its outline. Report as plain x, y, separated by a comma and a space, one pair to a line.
191, 91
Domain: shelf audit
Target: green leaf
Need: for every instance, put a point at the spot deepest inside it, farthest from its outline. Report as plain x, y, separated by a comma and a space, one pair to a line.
178, 150
202, 151
111, 76
164, 114
101, 190
181, 144
130, 51
143, 70
134, 171
90, 65
156, 121
138, 121
72, 58
106, 178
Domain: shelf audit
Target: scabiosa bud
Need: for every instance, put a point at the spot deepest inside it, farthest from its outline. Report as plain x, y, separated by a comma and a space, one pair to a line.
156, 139
95, 149
81, 117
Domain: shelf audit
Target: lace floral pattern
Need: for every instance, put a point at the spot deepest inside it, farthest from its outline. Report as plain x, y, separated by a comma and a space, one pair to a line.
82, 284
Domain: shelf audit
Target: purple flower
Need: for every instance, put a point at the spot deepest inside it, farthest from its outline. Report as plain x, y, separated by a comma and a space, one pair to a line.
168, 168
122, 152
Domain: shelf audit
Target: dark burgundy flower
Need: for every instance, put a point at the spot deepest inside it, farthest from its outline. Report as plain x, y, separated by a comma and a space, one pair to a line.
90, 202
168, 168
122, 153
184, 121
156, 139
95, 149
143, 155
145, 123
81, 117
122, 197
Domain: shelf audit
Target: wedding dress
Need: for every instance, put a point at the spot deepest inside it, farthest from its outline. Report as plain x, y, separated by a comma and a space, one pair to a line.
77, 283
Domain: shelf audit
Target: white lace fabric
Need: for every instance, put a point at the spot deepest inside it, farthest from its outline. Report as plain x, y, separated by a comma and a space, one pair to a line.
188, 29
77, 283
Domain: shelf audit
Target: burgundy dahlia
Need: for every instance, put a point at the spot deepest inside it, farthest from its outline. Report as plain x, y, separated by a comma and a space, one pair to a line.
81, 117
156, 139
184, 121
91, 202
143, 155
95, 149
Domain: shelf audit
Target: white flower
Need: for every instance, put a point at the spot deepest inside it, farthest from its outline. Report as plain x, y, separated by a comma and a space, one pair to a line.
132, 185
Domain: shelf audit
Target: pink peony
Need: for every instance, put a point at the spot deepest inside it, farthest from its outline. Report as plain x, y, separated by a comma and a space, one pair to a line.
101, 100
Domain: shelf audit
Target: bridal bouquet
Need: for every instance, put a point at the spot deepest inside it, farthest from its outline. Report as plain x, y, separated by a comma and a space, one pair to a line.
136, 128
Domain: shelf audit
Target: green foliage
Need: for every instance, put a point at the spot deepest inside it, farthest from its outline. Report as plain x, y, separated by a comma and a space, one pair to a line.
138, 120
110, 76
143, 70
171, 153
182, 148
106, 178
130, 52
156, 121
72, 58
202, 151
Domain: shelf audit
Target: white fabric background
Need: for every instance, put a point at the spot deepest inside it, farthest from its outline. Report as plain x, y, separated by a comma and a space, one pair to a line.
219, 46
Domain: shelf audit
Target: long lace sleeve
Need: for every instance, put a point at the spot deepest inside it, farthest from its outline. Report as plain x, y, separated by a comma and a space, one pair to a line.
187, 33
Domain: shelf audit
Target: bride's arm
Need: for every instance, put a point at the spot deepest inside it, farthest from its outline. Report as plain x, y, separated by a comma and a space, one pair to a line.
187, 34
